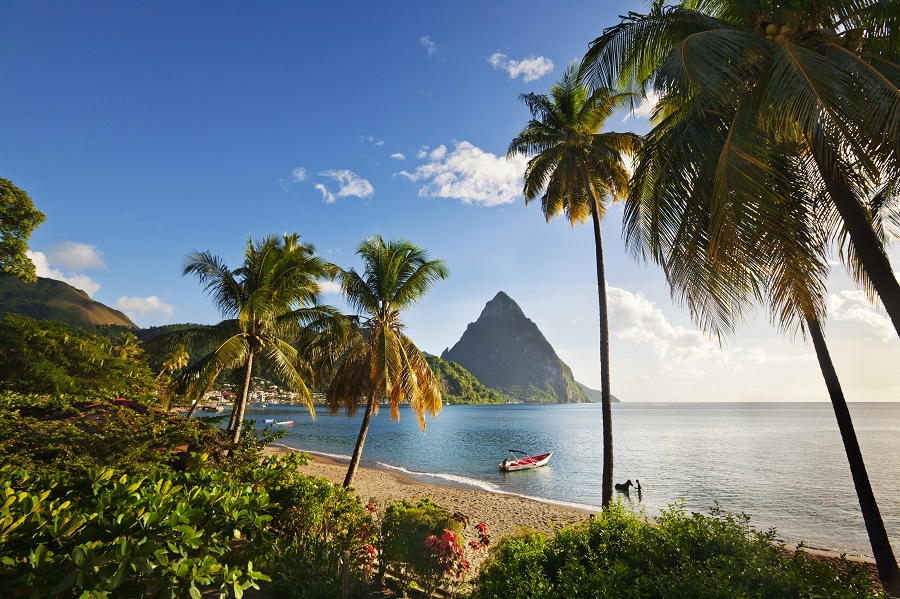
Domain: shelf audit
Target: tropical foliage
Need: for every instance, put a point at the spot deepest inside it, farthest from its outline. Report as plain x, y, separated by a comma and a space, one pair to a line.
18, 218
379, 361
761, 153
270, 303
574, 169
43, 356
619, 554
458, 386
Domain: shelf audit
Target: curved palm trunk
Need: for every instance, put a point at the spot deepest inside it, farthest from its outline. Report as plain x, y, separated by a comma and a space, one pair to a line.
868, 247
360, 441
193, 408
881, 546
605, 394
237, 414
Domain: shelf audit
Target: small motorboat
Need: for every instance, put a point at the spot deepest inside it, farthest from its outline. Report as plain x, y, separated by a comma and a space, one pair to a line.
520, 460
269, 421
285, 422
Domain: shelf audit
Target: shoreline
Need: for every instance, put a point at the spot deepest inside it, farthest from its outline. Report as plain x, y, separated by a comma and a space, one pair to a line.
504, 513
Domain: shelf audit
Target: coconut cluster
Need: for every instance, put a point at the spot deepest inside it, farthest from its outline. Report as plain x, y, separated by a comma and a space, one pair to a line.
777, 33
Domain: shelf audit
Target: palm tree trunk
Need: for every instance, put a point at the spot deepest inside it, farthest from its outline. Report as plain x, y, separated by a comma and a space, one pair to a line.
881, 546
868, 248
360, 441
241, 408
605, 393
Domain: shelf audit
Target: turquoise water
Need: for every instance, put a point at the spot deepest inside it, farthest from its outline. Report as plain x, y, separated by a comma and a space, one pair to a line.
783, 464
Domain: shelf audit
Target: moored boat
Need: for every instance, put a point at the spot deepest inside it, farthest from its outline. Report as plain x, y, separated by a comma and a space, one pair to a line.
523, 463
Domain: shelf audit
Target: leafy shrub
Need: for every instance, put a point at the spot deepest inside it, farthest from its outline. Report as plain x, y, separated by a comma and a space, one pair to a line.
621, 555
317, 522
105, 535
405, 528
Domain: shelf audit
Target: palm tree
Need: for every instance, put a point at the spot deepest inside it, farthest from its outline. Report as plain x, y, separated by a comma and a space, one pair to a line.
175, 360
127, 346
732, 212
271, 300
379, 360
821, 77
574, 168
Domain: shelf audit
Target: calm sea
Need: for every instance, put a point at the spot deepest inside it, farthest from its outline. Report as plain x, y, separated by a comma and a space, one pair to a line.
782, 464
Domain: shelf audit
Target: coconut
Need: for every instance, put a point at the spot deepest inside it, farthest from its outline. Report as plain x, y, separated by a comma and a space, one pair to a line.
786, 30
779, 39
771, 29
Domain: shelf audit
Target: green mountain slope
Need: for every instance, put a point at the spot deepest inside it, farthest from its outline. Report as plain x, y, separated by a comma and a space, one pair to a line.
593, 395
460, 387
49, 299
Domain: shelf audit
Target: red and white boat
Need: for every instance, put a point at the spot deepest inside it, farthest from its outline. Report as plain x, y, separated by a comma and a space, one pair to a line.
524, 462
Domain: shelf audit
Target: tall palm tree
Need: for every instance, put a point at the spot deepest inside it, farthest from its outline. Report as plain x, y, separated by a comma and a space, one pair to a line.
732, 210
574, 169
379, 360
268, 302
174, 361
821, 75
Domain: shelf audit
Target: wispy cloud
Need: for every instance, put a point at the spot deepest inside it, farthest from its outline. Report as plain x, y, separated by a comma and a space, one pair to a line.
349, 184
529, 69
371, 139
430, 47
398, 156
298, 175
75, 257
329, 287
854, 306
133, 306
645, 108
634, 318
469, 174
43, 268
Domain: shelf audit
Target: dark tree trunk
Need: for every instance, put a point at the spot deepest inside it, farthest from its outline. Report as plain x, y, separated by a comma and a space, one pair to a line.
605, 394
360, 441
868, 247
881, 546
237, 415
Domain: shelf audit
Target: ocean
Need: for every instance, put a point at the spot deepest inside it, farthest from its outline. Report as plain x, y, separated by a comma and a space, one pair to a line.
782, 464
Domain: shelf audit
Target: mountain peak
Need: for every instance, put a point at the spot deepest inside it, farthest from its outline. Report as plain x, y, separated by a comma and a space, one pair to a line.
502, 307
505, 350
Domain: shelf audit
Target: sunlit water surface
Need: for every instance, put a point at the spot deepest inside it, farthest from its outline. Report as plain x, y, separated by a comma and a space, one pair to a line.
783, 464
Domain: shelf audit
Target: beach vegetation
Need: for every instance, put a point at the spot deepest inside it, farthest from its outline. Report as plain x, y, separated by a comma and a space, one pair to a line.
45, 356
459, 386
18, 219
270, 302
379, 361
762, 156
574, 169
423, 545
620, 554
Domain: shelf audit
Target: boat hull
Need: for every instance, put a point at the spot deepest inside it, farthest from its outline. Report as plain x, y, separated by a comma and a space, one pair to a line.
525, 463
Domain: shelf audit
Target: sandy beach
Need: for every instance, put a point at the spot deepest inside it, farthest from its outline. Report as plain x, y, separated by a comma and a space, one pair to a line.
503, 514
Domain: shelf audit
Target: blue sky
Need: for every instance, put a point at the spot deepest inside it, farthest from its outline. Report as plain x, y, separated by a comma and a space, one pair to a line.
146, 130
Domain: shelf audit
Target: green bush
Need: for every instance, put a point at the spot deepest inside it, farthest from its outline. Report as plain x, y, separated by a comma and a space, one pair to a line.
106, 535
404, 529
317, 522
620, 555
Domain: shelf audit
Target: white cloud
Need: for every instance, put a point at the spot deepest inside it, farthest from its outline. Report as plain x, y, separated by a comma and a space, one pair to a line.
422, 153
379, 143
327, 287
398, 156
632, 317
645, 108
349, 184
529, 69
327, 196
470, 175
430, 46
75, 257
144, 305
635, 318
43, 269
854, 306
299, 174
371, 140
